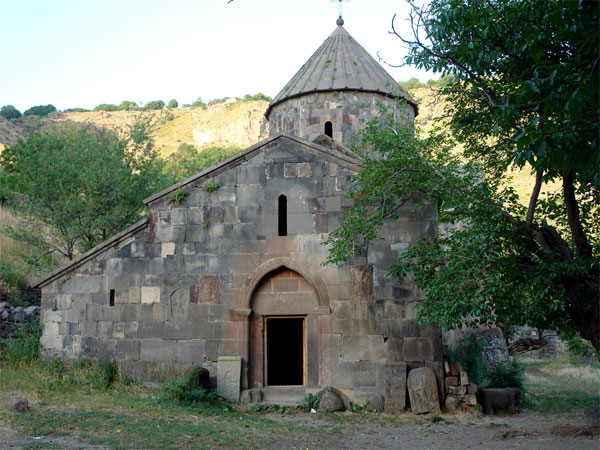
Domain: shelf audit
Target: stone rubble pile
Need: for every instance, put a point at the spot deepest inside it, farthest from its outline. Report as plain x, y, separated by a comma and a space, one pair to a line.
12, 318
460, 394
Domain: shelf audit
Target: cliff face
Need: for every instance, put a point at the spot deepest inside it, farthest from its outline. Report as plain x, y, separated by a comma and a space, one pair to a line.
229, 124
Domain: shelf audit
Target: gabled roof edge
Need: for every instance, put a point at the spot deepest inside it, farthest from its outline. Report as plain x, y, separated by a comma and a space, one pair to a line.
82, 259
245, 155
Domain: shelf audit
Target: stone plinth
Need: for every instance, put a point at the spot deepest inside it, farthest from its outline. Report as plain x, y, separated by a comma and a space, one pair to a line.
229, 370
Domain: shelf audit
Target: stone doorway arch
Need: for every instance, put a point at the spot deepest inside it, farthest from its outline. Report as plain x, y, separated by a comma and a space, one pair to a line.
283, 331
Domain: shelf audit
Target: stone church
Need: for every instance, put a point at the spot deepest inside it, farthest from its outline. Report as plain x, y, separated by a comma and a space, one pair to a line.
226, 269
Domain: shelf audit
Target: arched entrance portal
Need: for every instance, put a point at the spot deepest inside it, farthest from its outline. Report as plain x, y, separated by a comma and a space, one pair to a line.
283, 331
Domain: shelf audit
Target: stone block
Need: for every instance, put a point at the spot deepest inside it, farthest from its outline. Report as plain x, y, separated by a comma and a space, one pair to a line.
451, 381
150, 294
394, 349
174, 330
363, 348
167, 249
395, 387
179, 216
471, 399
128, 350
206, 291
331, 345
418, 349
157, 350
150, 330
204, 330
463, 378
229, 371
160, 312
423, 391
190, 351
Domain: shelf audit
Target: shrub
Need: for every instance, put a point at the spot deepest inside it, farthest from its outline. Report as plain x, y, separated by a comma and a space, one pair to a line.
105, 373
508, 376
469, 355
40, 110
154, 105
177, 196
76, 110
106, 107
172, 104
309, 402
24, 348
189, 390
211, 186
127, 105
577, 345
9, 112
11, 276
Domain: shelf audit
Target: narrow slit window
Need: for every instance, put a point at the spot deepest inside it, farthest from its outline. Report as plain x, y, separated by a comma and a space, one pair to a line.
282, 215
111, 298
329, 129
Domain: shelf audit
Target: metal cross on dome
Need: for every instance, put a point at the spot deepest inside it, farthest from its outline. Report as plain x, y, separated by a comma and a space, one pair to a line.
340, 2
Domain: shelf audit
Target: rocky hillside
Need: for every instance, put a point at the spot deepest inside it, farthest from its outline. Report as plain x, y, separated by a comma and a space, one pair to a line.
230, 124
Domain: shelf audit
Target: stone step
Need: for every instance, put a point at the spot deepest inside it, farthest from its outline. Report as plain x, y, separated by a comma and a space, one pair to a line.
284, 394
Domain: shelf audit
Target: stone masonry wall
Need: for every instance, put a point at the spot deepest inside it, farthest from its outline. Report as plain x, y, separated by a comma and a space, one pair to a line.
181, 290
306, 116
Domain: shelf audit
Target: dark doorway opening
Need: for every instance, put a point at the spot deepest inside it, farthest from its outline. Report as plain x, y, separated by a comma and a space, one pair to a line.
329, 129
285, 350
282, 216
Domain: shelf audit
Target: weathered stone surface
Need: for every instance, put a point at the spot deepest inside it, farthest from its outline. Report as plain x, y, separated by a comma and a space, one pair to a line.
451, 403
376, 404
422, 390
395, 387
591, 414
464, 378
471, 388
495, 351
18, 404
329, 400
229, 371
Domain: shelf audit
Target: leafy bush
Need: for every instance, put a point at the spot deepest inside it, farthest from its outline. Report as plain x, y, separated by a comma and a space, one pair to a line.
309, 402
211, 186
105, 373
25, 348
508, 375
177, 196
577, 345
11, 276
127, 105
106, 107
256, 97
9, 112
40, 110
76, 110
172, 104
154, 105
188, 391
469, 355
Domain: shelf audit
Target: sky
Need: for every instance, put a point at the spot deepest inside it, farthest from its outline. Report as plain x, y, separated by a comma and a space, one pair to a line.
81, 53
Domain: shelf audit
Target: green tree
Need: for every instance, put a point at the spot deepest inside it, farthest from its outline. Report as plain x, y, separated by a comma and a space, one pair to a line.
9, 112
154, 105
187, 160
106, 107
172, 104
524, 94
127, 105
78, 185
40, 110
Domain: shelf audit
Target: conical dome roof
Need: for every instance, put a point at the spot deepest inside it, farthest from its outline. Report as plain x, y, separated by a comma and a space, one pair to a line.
340, 64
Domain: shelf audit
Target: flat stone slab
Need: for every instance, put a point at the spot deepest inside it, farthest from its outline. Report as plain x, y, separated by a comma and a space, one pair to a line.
229, 372
423, 391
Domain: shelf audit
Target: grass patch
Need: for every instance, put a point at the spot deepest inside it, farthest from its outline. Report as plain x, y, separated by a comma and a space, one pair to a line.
561, 385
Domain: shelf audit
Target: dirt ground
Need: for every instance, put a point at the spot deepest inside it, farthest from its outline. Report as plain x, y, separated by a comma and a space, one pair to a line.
460, 431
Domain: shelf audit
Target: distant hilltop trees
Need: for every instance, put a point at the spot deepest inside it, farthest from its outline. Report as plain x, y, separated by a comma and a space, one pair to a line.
9, 112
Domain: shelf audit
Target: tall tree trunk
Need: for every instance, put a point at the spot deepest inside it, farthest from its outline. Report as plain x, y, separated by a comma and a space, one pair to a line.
584, 296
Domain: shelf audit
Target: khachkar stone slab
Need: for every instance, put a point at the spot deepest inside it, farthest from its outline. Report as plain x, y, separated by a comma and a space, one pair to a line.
395, 387
229, 371
423, 391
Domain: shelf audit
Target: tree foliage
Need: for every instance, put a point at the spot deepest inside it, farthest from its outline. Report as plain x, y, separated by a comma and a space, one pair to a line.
154, 105
172, 104
187, 160
524, 94
106, 107
9, 112
127, 105
78, 185
40, 110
